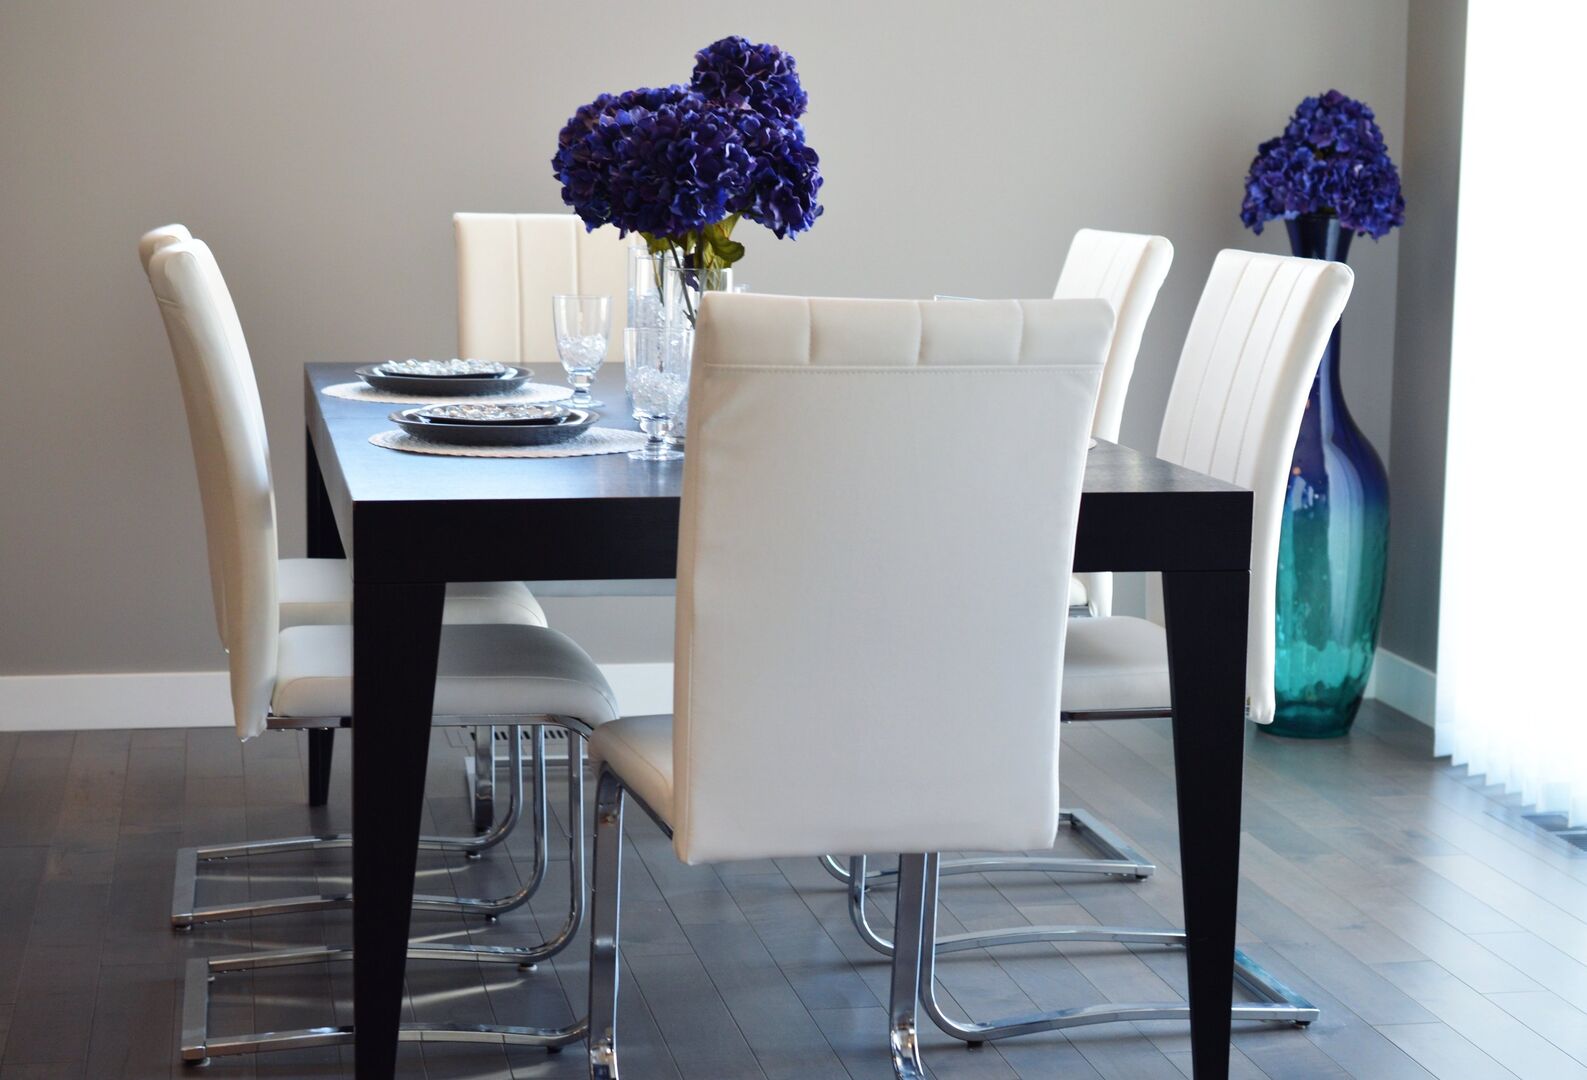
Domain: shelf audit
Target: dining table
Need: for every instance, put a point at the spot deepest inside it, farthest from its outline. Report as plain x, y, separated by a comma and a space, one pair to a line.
410, 523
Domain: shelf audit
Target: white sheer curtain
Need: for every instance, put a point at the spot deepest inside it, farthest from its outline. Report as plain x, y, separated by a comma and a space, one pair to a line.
1512, 633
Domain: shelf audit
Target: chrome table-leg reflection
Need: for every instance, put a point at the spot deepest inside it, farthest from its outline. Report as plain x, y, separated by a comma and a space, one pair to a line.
198, 1045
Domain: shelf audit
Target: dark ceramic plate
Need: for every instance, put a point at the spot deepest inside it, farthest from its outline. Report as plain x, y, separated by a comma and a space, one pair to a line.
444, 385
571, 426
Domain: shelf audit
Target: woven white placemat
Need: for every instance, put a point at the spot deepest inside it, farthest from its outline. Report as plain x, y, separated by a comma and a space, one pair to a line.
596, 440
528, 394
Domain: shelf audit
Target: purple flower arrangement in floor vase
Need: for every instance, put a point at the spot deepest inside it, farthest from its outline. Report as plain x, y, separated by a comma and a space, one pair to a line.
1329, 176
682, 165
1330, 159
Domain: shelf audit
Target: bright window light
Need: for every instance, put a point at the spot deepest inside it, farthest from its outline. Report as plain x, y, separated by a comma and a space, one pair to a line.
1512, 646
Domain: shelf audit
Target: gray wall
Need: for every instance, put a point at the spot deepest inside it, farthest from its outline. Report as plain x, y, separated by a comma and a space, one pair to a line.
1434, 87
321, 150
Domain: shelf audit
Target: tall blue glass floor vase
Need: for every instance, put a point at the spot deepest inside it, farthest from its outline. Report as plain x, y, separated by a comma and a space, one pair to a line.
1333, 546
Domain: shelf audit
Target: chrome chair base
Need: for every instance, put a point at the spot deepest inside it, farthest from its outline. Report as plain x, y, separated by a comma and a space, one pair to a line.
1276, 1002
199, 1045
1118, 858
187, 913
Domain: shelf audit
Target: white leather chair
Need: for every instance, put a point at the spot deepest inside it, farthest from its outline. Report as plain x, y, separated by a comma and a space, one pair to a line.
508, 268
316, 592
320, 591
812, 719
313, 592
301, 676
1234, 413
1126, 270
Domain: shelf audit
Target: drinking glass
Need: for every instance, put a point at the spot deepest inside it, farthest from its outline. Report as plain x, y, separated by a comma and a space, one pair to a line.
656, 362
582, 324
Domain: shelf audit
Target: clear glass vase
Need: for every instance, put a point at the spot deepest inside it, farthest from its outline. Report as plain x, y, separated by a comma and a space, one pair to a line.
1333, 546
682, 288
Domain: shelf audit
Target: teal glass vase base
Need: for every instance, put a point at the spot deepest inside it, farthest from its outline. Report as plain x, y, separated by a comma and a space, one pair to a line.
1333, 545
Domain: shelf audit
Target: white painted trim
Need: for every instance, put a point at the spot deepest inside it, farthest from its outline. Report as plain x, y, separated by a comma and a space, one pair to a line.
123, 700
182, 699
1403, 685
199, 698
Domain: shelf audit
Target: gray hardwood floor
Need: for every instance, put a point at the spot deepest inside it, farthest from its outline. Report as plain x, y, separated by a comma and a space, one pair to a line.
1440, 935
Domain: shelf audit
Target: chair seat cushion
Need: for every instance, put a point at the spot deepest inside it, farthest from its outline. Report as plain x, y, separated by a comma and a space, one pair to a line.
639, 751
1115, 662
319, 592
484, 670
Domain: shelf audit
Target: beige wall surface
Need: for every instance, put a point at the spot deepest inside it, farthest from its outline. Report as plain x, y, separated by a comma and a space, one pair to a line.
1434, 87
321, 149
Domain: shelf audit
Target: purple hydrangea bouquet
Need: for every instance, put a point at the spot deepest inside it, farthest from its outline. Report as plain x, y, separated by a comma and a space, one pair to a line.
1330, 160
682, 165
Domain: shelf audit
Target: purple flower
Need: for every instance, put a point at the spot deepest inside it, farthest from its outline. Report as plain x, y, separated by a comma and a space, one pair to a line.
1330, 159
745, 76
665, 168
784, 179
673, 161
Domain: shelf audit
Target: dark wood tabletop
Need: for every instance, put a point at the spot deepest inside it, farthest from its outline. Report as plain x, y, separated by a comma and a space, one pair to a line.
451, 502
412, 522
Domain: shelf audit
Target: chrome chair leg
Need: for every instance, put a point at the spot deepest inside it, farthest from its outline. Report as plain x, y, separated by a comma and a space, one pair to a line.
186, 913
910, 925
199, 1045
605, 906
1118, 858
1277, 1004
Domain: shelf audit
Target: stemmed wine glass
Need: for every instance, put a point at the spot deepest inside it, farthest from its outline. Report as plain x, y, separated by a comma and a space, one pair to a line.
582, 324
656, 362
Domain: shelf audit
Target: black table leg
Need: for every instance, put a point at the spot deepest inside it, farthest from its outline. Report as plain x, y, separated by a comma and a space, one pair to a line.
323, 543
1207, 616
396, 635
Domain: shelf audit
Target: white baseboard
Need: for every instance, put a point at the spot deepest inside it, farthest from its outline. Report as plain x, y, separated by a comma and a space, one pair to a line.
199, 698
1403, 685
183, 699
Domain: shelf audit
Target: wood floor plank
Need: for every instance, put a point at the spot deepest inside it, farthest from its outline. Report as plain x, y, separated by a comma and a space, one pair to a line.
1443, 1052
131, 1033
1561, 1024
1550, 968
1488, 1027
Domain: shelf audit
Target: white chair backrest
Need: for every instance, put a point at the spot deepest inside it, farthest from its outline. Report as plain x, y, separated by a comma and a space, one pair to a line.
231, 452
150, 242
155, 239
877, 529
1235, 408
510, 265
1126, 270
